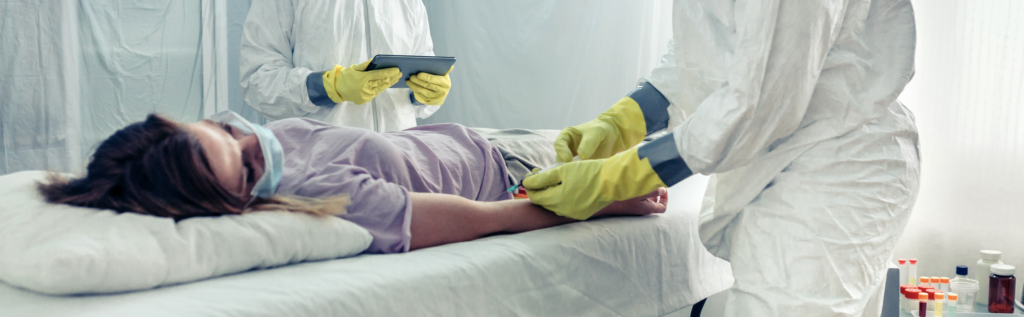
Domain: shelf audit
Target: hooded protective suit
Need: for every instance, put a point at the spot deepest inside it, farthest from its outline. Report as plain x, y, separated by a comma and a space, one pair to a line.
285, 41
791, 106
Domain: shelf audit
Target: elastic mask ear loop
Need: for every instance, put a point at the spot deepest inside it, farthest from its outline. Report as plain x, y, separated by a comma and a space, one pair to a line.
253, 198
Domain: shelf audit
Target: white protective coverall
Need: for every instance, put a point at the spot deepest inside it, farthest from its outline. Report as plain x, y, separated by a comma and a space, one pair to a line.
284, 41
791, 105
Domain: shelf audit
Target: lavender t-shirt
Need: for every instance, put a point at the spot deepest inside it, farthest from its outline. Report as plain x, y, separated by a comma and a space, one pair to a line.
378, 170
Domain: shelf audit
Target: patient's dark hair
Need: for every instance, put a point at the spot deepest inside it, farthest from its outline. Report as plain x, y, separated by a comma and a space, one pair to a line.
157, 167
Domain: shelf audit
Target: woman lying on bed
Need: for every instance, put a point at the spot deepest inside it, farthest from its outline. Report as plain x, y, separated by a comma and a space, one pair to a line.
411, 189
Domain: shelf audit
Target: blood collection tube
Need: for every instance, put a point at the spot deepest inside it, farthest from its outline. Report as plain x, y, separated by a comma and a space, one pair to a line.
922, 304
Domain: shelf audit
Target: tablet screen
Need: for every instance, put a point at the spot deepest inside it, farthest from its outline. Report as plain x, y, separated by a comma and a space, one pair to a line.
410, 65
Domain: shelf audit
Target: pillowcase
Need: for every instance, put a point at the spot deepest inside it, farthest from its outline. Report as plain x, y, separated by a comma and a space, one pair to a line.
62, 250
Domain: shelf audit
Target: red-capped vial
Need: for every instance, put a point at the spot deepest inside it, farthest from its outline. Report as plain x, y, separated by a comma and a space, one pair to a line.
912, 269
903, 271
910, 299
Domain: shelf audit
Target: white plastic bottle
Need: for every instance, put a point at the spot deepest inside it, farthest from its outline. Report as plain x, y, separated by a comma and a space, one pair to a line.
981, 272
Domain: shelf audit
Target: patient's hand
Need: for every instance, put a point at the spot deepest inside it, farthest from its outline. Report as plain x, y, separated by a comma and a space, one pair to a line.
653, 203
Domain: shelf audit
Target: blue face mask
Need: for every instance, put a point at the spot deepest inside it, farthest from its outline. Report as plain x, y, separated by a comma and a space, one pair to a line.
273, 154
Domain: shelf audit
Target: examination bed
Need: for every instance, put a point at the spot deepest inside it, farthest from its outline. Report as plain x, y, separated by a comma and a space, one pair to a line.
640, 266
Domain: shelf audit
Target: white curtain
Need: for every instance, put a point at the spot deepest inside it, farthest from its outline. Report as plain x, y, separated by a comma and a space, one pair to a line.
237, 10
39, 91
73, 72
222, 36
137, 57
544, 64
968, 97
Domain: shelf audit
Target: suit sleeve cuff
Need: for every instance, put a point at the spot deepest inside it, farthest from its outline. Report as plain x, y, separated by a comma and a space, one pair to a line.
315, 88
665, 160
653, 104
412, 98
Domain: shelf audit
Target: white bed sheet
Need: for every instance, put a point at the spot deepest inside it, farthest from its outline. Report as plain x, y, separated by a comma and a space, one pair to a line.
647, 266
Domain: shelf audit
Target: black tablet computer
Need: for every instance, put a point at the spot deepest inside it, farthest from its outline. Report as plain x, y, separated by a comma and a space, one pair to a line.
410, 65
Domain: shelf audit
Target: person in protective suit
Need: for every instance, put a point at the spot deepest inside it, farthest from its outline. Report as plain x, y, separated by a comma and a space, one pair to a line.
292, 52
790, 106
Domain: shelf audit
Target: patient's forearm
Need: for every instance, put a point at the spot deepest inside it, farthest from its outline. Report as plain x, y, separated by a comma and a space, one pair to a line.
441, 219
515, 216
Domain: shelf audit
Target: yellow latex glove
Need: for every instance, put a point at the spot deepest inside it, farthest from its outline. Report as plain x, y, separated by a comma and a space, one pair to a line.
580, 189
620, 127
430, 89
357, 85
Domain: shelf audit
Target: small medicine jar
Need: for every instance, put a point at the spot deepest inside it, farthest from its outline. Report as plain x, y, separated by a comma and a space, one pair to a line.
1001, 285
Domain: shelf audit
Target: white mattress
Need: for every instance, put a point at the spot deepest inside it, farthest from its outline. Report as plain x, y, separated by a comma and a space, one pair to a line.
647, 266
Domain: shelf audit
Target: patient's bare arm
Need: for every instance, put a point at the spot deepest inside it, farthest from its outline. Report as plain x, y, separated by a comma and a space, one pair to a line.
441, 219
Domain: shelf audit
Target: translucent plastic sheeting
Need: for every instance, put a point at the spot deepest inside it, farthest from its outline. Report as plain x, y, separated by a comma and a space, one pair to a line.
39, 127
544, 64
73, 72
222, 36
237, 10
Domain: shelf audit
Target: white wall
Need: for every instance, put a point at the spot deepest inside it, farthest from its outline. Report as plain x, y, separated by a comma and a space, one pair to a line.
968, 97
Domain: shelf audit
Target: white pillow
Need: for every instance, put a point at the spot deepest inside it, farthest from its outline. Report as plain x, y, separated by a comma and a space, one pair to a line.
59, 249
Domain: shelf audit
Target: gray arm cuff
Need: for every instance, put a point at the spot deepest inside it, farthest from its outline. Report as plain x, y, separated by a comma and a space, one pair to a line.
317, 92
665, 160
412, 98
654, 106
